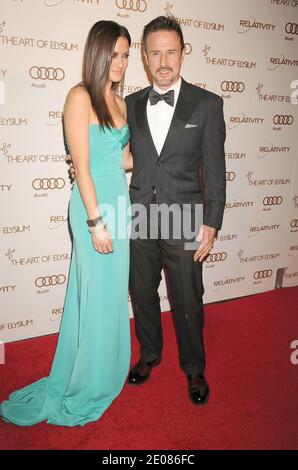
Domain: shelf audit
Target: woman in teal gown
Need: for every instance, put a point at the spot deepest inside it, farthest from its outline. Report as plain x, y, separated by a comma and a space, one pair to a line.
93, 352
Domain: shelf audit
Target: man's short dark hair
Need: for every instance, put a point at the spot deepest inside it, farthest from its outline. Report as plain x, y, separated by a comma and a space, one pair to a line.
163, 23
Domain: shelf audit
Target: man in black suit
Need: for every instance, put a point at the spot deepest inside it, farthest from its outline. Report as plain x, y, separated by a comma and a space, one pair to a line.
177, 132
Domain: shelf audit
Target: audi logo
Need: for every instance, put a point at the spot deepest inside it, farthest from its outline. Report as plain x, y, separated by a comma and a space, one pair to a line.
236, 87
283, 119
212, 257
48, 183
132, 5
263, 274
188, 48
46, 73
46, 281
294, 223
230, 175
291, 28
272, 200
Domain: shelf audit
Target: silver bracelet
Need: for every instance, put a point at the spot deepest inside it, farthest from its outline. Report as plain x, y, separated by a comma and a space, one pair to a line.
94, 222
98, 228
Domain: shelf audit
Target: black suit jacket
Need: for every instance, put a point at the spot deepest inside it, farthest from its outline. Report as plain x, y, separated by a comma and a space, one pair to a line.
195, 139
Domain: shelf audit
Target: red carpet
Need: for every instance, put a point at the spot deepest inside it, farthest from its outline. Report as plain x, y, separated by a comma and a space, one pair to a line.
254, 388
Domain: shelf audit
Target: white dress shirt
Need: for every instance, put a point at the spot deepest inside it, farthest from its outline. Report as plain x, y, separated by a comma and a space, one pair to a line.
160, 116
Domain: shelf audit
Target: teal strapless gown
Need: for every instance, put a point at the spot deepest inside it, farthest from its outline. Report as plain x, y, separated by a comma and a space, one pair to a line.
93, 352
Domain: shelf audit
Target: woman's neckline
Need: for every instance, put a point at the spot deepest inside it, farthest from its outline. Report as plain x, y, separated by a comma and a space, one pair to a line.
115, 128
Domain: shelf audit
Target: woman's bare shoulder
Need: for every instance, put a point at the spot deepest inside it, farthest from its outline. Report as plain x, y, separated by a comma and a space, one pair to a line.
78, 96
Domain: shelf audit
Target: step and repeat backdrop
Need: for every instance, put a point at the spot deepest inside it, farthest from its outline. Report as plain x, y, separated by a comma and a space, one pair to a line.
245, 51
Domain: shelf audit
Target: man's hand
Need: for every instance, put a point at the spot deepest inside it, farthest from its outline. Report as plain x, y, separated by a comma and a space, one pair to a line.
206, 235
72, 174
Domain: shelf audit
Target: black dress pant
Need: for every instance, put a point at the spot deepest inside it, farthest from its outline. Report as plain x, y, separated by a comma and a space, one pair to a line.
147, 257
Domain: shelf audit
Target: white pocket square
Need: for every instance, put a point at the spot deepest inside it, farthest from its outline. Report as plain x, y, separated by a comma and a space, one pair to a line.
188, 126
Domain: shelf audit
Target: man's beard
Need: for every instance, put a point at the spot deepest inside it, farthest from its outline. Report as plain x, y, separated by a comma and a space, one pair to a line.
164, 80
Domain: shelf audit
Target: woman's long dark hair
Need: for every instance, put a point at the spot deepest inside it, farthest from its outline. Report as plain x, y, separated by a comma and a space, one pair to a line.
97, 60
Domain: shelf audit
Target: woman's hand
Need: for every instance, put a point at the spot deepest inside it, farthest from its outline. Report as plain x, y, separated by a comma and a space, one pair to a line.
102, 240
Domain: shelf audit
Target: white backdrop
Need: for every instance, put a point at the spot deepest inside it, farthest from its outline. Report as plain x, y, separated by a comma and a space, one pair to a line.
245, 51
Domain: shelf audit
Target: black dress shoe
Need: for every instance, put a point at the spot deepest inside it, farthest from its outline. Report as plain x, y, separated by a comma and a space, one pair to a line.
140, 373
198, 389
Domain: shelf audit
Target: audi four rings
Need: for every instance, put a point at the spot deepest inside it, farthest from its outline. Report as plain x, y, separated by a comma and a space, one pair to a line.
48, 183
132, 5
46, 73
272, 200
236, 87
46, 281
283, 119
212, 257
263, 274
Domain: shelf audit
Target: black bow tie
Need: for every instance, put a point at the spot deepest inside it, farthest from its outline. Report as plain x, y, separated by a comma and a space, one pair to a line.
168, 97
